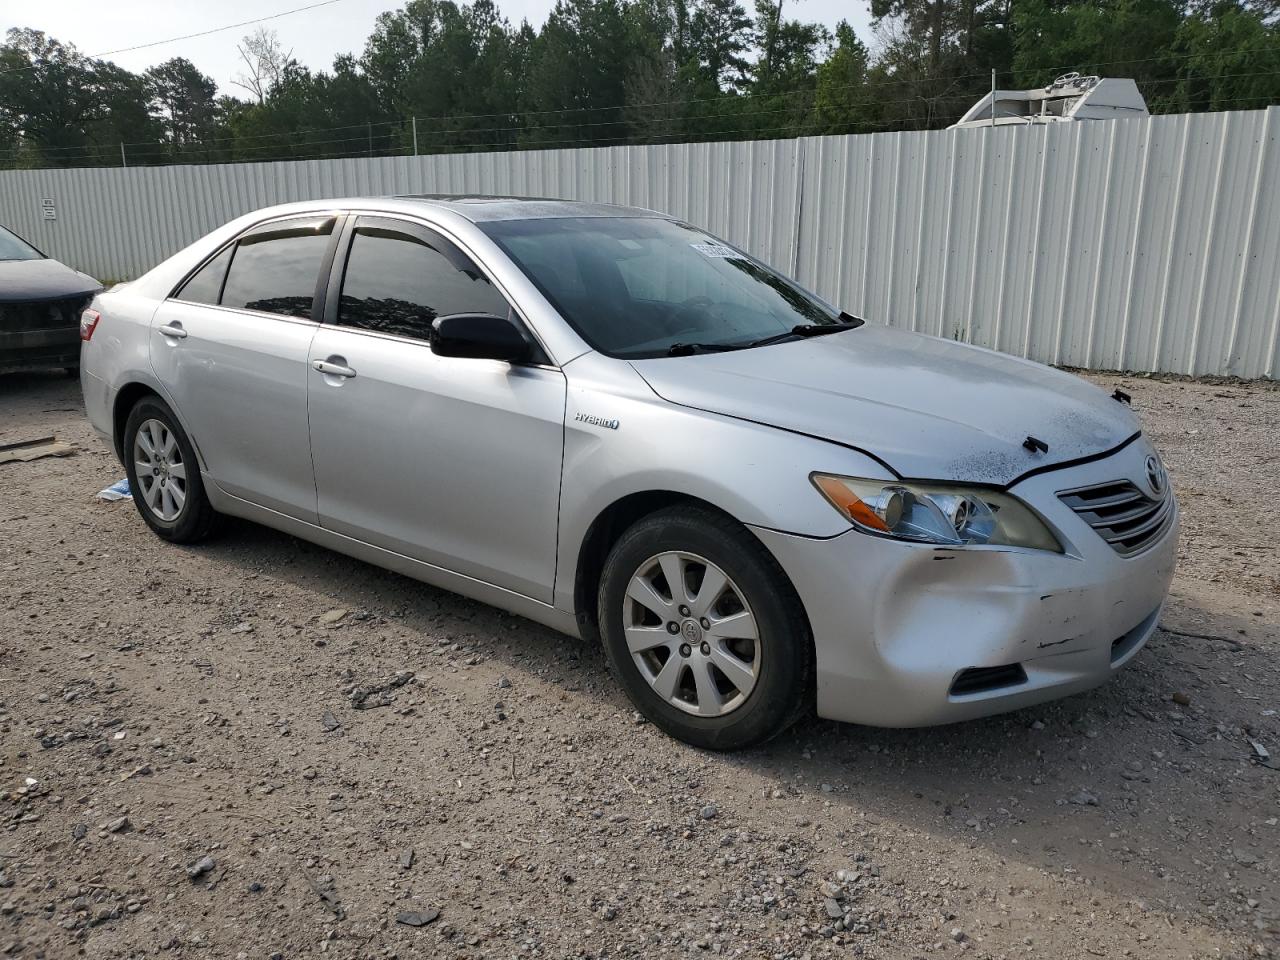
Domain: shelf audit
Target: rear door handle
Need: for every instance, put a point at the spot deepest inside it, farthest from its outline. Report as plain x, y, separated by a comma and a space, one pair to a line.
333, 369
173, 330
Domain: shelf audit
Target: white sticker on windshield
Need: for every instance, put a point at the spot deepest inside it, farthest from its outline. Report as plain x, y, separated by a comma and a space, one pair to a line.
718, 250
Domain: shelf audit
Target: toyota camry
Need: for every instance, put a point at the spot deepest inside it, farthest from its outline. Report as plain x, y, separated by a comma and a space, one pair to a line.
615, 424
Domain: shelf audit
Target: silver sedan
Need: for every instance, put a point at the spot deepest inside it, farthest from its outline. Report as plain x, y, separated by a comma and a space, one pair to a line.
617, 425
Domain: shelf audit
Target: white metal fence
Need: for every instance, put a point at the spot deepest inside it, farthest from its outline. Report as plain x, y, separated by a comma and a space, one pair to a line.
1149, 245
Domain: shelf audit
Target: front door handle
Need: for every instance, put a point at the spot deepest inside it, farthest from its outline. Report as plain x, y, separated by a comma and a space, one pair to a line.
174, 330
331, 369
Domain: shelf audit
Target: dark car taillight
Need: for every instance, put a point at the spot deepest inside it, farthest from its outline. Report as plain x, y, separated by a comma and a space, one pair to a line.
89, 323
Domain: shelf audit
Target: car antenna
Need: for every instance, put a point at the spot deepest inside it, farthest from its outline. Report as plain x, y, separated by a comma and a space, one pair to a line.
1033, 444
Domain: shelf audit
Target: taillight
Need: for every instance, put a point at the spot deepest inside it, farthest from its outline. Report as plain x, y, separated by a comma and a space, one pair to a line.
89, 323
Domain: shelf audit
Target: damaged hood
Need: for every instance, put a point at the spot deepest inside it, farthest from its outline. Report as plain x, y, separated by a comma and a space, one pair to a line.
930, 408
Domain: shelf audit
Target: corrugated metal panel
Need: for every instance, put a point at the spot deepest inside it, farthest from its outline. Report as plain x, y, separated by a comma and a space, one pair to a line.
1149, 244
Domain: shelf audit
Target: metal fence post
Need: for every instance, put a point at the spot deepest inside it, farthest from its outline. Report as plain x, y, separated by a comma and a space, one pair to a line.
415, 136
123, 161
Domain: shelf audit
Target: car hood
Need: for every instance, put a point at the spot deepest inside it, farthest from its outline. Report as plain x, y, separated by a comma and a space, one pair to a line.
27, 280
929, 408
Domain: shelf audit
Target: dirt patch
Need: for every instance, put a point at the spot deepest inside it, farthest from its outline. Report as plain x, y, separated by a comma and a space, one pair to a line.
261, 748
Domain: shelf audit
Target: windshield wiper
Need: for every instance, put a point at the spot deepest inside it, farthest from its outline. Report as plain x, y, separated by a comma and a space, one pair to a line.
689, 349
808, 330
847, 322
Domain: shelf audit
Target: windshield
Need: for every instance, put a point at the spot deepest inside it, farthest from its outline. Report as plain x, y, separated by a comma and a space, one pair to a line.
13, 247
642, 287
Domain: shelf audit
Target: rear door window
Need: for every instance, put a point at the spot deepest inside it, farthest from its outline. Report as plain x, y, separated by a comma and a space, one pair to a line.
275, 267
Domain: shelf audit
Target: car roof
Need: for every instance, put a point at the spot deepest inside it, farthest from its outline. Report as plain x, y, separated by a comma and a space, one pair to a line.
475, 209
480, 208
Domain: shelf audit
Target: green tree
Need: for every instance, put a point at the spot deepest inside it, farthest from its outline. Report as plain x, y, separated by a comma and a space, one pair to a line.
458, 68
784, 74
46, 99
576, 86
624, 71
720, 37
656, 41
62, 108
184, 101
935, 56
313, 115
1116, 37
1226, 60
120, 112
843, 100
942, 32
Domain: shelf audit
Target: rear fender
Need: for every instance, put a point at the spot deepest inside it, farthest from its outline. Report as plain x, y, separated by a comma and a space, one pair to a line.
116, 365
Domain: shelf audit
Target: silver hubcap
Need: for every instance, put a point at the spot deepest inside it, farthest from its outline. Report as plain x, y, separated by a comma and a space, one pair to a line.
162, 476
691, 634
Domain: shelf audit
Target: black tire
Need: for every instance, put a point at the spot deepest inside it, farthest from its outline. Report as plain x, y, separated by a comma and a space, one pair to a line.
196, 519
784, 689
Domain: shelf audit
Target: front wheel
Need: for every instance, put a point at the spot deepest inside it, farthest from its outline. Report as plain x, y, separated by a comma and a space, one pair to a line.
704, 631
164, 475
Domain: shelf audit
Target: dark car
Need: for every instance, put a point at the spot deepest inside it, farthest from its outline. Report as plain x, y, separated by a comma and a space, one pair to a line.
40, 305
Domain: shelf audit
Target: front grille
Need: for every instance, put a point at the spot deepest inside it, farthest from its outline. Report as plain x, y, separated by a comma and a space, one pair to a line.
1123, 515
986, 679
43, 314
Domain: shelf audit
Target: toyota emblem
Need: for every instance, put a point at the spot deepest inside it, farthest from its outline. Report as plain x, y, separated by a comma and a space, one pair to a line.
1156, 477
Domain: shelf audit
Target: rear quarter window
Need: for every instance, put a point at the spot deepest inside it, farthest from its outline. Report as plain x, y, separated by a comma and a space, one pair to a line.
205, 285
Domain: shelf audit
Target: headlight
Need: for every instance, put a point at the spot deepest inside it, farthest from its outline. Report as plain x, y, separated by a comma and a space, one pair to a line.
959, 516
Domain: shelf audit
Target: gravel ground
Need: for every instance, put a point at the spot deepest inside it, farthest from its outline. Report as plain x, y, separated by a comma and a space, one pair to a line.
257, 748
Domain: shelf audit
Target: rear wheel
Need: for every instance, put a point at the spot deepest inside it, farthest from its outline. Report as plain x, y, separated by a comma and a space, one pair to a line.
164, 476
704, 631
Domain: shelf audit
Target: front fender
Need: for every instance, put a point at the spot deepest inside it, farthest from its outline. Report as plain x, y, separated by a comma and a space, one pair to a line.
621, 439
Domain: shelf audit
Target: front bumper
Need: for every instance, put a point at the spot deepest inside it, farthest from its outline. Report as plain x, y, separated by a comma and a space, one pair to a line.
896, 625
41, 333
34, 349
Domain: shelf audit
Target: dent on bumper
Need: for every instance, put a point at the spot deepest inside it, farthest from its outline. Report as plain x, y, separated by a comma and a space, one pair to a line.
895, 624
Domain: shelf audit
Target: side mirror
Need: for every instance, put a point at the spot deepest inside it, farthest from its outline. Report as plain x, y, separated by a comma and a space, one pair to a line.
480, 336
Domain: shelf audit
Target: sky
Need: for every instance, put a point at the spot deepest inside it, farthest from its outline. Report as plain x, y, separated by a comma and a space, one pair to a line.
315, 36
